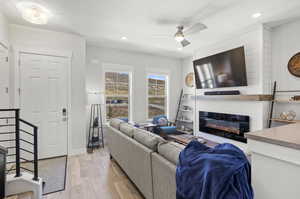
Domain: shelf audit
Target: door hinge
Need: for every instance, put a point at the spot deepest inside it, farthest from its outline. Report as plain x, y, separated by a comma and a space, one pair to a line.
19, 90
6, 59
6, 89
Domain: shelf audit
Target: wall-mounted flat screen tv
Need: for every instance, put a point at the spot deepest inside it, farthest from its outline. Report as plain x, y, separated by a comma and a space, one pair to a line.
226, 69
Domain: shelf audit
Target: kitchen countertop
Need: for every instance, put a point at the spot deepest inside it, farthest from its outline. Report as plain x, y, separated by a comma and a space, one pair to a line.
286, 136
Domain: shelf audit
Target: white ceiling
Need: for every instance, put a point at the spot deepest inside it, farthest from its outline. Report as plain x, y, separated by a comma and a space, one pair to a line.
104, 22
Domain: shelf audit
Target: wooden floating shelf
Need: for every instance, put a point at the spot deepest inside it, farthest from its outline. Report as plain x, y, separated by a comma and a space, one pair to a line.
236, 97
186, 121
184, 131
285, 121
286, 101
186, 110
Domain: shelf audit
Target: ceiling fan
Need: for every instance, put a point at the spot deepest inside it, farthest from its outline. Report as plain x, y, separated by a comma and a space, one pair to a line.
182, 32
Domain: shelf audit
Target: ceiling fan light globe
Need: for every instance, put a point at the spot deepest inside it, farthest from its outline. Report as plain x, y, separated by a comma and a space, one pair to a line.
179, 38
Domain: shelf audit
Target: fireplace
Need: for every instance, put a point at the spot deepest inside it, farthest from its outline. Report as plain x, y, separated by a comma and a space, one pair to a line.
225, 125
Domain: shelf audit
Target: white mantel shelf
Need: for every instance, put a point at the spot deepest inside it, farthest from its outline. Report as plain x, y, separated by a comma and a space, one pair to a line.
260, 97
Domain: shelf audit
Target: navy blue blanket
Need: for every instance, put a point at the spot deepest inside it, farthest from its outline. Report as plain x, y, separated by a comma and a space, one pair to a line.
222, 172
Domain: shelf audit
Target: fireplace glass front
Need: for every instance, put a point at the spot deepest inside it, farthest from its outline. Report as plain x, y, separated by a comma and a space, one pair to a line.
225, 125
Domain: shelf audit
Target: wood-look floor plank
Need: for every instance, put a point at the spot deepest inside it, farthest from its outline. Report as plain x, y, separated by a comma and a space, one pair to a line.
95, 176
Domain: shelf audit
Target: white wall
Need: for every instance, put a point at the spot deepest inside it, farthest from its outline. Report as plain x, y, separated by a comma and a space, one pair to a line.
141, 64
285, 44
187, 67
3, 30
22, 36
253, 41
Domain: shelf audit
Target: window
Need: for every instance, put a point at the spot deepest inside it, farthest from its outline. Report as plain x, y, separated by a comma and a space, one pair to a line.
117, 93
157, 95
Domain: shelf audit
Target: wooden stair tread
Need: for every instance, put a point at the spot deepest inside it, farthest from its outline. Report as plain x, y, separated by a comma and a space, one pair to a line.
27, 195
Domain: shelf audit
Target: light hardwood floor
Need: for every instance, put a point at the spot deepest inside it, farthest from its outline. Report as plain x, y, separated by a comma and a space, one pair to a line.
95, 176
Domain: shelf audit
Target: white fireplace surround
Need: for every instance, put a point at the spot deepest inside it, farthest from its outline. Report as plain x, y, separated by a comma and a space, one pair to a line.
257, 44
267, 52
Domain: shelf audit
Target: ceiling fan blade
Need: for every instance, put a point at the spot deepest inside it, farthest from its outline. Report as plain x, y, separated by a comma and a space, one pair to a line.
185, 43
164, 21
178, 22
195, 29
161, 36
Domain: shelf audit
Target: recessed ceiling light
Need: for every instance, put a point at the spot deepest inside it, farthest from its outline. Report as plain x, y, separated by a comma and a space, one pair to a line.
33, 12
179, 49
124, 38
256, 15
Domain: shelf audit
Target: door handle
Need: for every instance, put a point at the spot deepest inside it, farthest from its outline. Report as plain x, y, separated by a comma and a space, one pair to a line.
64, 114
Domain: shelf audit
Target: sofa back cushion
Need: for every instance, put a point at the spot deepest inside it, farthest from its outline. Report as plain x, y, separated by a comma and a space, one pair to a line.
127, 129
148, 139
115, 123
170, 151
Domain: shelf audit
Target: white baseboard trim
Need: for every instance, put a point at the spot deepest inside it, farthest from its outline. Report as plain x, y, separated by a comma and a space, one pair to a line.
77, 151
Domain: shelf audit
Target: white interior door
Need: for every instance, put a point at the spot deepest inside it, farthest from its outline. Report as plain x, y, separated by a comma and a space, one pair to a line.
4, 78
43, 99
4, 96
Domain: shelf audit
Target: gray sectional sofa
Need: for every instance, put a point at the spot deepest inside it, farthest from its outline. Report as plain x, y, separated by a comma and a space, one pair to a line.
148, 160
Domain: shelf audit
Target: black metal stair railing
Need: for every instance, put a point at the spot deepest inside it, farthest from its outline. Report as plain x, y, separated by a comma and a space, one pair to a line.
14, 142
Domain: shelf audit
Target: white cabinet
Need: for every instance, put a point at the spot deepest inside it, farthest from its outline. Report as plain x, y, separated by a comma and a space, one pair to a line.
4, 78
275, 162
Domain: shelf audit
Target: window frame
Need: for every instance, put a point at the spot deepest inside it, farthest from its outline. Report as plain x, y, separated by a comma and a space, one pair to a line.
115, 68
167, 94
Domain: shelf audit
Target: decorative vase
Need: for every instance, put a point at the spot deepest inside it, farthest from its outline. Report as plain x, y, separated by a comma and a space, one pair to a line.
291, 115
283, 115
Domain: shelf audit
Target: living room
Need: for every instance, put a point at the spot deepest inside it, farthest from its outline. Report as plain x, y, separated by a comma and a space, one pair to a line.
118, 65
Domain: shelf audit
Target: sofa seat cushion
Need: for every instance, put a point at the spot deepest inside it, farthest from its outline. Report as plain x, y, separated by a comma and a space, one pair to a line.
127, 129
170, 151
115, 123
148, 139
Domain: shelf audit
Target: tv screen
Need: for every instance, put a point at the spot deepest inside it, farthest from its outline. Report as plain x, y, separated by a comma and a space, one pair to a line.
226, 69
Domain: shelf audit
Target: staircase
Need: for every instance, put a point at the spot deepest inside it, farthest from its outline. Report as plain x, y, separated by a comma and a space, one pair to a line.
20, 138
